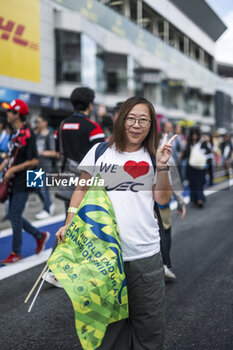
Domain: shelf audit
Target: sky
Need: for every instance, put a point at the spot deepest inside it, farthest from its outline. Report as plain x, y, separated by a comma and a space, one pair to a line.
224, 45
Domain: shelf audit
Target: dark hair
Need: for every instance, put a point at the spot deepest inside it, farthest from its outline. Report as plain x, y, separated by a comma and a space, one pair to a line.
44, 117
193, 131
117, 107
3, 122
21, 116
211, 137
119, 135
81, 98
9, 126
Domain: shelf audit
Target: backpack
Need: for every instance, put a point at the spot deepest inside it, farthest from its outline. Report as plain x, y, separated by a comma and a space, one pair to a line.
101, 148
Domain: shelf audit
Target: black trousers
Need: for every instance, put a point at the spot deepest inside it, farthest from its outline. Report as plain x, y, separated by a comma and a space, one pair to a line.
196, 179
210, 170
144, 329
165, 244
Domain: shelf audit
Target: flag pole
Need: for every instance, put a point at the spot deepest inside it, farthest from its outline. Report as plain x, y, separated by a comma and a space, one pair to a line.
38, 291
37, 281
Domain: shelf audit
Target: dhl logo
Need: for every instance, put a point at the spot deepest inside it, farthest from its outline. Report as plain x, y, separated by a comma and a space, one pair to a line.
13, 31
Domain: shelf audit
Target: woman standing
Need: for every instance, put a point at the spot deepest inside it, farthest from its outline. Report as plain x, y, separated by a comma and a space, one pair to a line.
195, 154
133, 184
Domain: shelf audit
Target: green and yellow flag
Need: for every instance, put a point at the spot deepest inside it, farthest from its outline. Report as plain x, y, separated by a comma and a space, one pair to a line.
90, 268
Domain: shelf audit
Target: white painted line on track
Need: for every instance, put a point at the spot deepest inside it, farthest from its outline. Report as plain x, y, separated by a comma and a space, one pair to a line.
39, 223
207, 192
219, 187
24, 264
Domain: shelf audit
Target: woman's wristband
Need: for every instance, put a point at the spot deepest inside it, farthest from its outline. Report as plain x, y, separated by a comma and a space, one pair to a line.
165, 168
72, 210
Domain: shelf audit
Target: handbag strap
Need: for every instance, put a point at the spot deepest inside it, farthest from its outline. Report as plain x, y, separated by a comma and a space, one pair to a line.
8, 166
15, 155
62, 156
160, 222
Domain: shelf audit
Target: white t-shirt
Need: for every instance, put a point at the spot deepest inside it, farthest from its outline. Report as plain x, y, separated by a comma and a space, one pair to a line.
128, 179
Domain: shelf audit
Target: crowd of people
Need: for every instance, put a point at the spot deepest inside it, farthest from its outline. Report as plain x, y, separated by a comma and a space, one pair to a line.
174, 157
195, 157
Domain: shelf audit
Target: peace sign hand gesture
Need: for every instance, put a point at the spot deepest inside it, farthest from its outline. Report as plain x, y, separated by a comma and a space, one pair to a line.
164, 152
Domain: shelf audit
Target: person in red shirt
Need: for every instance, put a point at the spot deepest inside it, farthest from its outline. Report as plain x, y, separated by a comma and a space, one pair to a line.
76, 136
22, 150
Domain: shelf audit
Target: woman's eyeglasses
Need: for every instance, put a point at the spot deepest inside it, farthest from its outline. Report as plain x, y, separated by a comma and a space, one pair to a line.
143, 122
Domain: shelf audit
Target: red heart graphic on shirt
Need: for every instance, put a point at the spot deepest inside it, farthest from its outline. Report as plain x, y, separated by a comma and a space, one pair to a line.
135, 169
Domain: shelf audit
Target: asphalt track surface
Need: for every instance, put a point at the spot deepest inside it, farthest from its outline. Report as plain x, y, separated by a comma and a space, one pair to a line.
199, 305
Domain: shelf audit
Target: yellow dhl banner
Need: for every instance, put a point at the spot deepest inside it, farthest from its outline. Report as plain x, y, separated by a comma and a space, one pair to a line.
20, 39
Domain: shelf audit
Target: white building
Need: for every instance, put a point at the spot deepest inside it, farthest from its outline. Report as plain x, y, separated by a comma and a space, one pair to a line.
161, 49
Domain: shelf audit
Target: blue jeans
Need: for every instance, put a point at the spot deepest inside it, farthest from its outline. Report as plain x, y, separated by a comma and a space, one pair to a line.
16, 208
44, 195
